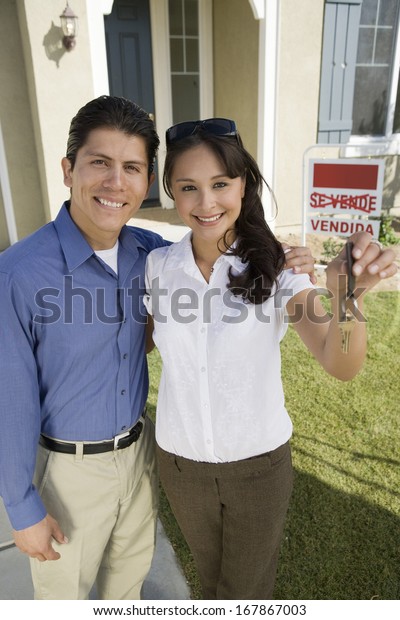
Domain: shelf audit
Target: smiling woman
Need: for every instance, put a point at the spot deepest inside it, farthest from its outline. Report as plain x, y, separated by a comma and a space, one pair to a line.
209, 202
222, 428
229, 167
109, 181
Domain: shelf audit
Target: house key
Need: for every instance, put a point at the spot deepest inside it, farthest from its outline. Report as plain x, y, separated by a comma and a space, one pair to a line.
347, 318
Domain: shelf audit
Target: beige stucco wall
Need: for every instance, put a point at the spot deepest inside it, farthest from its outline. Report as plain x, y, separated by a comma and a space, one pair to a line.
236, 66
299, 60
4, 238
59, 83
42, 86
16, 123
236, 41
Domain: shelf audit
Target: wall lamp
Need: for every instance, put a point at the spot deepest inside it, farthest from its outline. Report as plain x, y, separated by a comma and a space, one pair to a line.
69, 26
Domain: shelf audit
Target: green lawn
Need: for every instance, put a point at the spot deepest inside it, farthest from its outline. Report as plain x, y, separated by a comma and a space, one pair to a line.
342, 537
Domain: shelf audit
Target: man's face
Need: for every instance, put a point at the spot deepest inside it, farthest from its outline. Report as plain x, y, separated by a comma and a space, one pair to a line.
108, 184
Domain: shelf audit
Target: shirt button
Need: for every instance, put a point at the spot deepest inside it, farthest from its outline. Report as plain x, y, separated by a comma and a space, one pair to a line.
203, 369
123, 392
123, 428
125, 356
203, 329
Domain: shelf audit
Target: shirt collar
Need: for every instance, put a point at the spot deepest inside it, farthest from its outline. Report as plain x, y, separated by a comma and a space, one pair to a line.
129, 241
181, 256
74, 245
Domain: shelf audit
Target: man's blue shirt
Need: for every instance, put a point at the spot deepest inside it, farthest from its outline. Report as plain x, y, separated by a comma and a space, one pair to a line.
72, 349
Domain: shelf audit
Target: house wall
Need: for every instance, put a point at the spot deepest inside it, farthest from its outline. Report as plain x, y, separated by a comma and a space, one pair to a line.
43, 85
236, 42
59, 83
236, 67
299, 65
4, 238
17, 128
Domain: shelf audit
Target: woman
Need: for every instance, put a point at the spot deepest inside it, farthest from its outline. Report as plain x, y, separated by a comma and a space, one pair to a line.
221, 301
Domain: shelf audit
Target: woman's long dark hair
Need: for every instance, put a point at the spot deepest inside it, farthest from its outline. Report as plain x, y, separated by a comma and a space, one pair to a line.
256, 245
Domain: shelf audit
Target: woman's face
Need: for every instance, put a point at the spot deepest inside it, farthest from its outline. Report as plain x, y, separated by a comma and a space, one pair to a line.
207, 200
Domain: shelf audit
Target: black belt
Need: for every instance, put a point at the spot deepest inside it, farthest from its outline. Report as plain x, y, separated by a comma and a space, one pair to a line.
124, 440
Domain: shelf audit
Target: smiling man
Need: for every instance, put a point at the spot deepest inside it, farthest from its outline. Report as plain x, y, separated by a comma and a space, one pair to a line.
109, 180
74, 375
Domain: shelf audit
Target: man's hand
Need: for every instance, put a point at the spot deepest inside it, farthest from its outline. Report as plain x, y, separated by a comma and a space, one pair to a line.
35, 541
300, 259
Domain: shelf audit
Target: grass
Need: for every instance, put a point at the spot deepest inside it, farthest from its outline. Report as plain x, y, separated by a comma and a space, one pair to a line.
342, 536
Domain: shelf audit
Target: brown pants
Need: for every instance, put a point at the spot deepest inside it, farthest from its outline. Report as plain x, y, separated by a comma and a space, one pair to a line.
232, 516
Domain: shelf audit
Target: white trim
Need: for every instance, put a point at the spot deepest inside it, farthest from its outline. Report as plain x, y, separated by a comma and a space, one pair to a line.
394, 77
206, 59
162, 82
366, 146
96, 9
267, 92
6, 192
258, 8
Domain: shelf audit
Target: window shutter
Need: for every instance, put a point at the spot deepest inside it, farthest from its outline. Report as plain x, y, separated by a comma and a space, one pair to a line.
339, 53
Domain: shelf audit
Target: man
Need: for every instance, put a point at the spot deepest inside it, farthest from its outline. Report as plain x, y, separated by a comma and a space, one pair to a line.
74, 374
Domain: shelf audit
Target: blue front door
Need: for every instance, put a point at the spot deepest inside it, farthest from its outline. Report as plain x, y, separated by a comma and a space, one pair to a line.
129, 57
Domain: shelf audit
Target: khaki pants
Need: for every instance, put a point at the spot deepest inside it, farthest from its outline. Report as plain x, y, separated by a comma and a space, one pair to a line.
106, 505
232, 516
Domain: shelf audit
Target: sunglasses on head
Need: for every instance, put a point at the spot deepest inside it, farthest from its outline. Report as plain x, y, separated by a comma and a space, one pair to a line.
214, 126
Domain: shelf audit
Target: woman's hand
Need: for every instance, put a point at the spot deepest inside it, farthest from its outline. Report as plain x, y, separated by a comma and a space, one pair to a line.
300, 259
323, 337
372, 264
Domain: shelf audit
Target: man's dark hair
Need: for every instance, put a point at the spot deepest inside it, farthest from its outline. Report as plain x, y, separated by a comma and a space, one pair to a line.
112, 113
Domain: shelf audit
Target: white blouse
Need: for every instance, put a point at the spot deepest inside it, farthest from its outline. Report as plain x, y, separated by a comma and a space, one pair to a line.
220, 395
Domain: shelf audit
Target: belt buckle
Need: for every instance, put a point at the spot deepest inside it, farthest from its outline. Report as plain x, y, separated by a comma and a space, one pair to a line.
118, 437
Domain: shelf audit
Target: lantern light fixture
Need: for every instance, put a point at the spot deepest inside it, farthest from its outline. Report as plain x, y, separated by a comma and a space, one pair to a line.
69, 26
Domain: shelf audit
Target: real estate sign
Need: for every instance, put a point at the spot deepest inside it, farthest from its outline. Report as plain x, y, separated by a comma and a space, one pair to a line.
343, 195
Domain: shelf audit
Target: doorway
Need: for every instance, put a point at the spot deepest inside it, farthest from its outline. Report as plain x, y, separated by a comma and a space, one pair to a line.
129, 58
